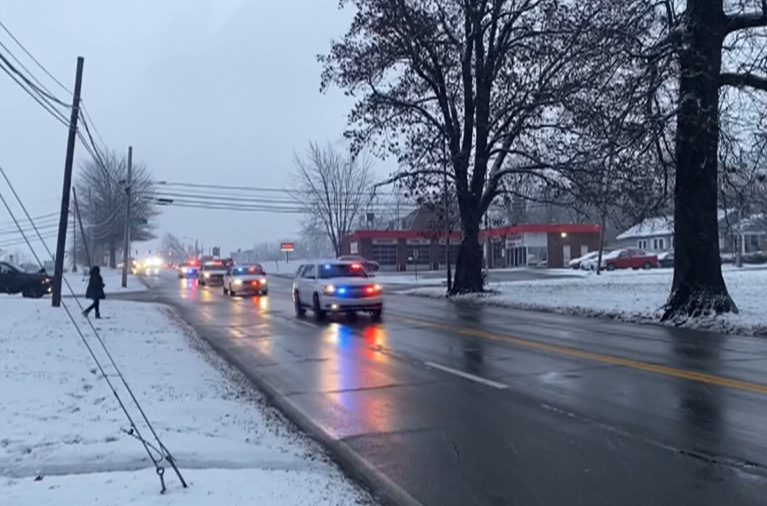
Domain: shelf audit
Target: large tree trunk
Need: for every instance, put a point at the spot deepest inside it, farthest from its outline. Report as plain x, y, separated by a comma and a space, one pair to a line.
468, 265
698, 288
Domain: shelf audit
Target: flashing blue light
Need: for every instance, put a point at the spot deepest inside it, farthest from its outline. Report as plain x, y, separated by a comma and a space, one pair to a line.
341, 291
239, 269
327, 266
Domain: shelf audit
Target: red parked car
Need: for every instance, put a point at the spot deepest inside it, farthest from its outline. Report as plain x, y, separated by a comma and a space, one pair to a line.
630, 258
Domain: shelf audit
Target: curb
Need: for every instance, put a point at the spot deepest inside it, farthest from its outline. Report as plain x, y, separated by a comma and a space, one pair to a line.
383, 489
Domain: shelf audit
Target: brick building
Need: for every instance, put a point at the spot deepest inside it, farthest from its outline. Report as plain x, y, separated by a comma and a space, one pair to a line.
545, 245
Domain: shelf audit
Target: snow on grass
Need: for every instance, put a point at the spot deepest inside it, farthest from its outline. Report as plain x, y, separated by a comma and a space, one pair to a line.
635, 296
60, 421
112, 279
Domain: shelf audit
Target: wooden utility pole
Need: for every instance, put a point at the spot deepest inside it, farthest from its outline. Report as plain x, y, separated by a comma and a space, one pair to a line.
92, 239
74, 239
82, 230
61, 243
126, 244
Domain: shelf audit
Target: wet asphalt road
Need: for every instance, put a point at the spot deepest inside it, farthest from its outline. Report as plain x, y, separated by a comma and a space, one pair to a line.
464, 405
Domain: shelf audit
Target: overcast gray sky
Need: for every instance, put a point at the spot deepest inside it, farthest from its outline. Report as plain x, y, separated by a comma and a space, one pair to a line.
207, 91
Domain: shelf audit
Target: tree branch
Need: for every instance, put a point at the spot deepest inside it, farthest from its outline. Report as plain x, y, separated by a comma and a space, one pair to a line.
745, 80
744, 21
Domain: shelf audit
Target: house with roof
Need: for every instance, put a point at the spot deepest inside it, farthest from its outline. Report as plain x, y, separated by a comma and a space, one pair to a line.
652, 234
657, 234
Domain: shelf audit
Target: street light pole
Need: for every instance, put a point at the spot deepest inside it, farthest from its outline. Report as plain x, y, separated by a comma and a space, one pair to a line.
447, 219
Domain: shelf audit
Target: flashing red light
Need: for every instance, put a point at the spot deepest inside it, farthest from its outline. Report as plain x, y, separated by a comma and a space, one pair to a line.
254, 283
356, 266
251, 269
369, 289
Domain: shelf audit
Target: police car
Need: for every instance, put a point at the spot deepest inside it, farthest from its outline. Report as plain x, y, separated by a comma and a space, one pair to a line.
245, 279
211, 272
336, 286
188, 269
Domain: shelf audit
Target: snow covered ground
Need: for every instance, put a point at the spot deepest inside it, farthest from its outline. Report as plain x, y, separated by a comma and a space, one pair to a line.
635, 296
112, 280
61, 424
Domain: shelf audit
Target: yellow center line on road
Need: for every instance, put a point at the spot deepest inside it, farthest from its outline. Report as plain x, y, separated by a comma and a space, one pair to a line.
596, 357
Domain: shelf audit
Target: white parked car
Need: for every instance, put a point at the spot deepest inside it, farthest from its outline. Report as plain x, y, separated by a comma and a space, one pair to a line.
336, 286
591, 263
211, 272
576, 263
245, 279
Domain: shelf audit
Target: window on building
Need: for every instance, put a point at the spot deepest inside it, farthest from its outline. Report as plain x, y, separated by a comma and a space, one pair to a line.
384, 254
659, 244
642, 244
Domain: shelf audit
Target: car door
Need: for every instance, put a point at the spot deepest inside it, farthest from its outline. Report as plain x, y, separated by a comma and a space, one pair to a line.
622, 260
307, 280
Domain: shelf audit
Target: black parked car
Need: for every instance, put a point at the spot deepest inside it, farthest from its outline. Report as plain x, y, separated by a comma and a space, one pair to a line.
14, 280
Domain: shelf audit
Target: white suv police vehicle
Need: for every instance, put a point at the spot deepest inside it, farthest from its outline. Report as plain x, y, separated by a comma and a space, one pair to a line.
336, 286
245, 279
211, 272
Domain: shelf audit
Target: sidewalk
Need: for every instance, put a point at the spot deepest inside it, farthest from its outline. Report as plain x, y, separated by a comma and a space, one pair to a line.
62, 440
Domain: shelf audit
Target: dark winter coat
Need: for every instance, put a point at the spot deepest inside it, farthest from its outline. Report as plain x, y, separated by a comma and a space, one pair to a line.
95, 290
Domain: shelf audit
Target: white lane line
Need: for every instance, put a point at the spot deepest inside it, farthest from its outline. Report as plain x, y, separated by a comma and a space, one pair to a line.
465, 375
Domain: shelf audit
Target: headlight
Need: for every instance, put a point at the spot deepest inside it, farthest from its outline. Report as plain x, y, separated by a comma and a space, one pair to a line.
237, 281
329, 289
207, 274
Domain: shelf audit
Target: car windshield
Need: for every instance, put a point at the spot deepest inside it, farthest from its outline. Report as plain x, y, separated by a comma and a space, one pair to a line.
343, 271
212, 266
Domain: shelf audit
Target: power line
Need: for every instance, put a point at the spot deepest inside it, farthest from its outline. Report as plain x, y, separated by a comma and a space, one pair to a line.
46, 95
48, 108
258, 200
31, 57
286, 191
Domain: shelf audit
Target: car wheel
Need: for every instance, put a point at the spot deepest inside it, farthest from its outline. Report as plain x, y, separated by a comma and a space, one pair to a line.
300, 311
25, 292
610, 267
232, 293
319, 314
226, 291
377, 314
647, 265
265, 292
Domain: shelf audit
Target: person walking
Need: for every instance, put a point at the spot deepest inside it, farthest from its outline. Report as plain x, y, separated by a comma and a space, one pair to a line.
95, 291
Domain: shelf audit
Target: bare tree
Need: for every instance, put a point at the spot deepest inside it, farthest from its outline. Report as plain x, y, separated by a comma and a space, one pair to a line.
486, 80
175, 246
333, 188
101, 192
